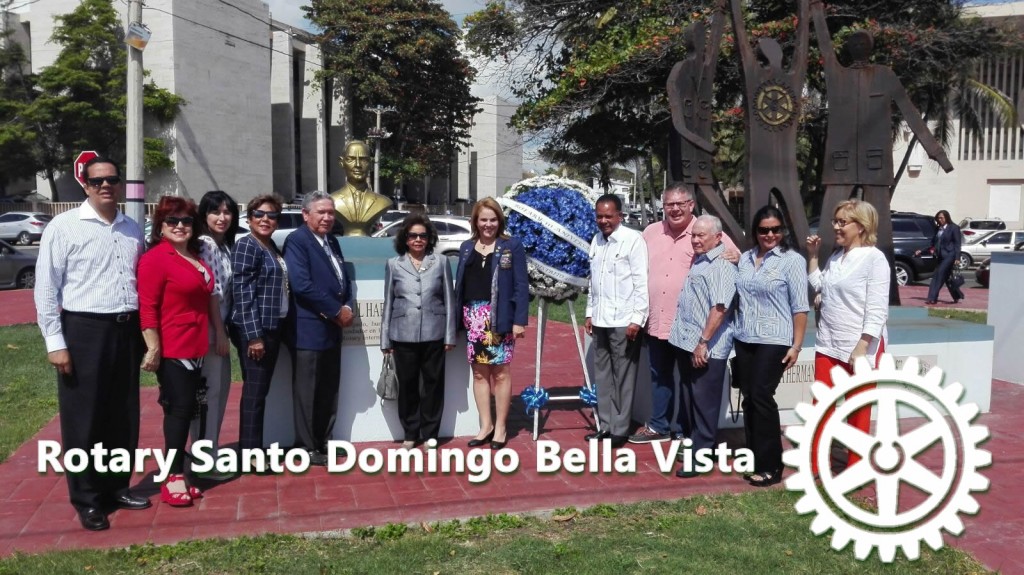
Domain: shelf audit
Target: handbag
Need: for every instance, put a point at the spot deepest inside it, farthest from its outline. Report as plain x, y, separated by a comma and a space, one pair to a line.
956, 279
387, 383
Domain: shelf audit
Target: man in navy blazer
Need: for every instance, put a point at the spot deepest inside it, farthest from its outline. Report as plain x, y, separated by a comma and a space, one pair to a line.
323, 305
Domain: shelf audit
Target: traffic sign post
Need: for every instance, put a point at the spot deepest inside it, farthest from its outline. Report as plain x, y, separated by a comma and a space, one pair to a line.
80, 162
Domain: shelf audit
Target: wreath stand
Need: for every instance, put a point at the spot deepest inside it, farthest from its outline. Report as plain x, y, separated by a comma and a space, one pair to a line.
535, 397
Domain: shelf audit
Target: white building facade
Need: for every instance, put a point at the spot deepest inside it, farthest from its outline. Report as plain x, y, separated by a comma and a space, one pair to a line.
988, 176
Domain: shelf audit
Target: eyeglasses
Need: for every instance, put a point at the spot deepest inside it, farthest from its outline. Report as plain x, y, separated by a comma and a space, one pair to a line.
412, 236
257, 214
97, 182
677, 205
173, 221
837, 223
772, 230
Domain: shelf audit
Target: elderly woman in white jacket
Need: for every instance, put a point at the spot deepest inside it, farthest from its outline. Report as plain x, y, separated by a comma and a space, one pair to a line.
418, 326
854, 288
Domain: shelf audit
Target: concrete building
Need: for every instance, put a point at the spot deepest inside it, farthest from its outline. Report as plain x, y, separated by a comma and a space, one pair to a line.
988, 176
493, 161
255, 121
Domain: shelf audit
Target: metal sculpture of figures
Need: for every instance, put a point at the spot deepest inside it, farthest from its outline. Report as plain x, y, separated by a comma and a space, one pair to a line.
858, 146
690, 94
772, 116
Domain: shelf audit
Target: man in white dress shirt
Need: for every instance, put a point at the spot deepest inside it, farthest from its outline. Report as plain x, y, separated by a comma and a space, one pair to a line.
87, 306
616, 311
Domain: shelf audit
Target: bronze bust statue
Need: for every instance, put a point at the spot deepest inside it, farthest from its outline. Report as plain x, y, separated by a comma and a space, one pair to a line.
357, 205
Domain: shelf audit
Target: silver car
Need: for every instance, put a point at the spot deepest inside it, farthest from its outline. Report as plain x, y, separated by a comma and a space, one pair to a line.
997, 241
451, 232
17, 269
23, 227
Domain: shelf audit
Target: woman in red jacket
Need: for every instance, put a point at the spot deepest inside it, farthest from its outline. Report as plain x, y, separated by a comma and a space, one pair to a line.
174, 300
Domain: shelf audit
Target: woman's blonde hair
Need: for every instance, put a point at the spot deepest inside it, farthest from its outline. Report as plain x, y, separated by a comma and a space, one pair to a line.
490, 204
864, 214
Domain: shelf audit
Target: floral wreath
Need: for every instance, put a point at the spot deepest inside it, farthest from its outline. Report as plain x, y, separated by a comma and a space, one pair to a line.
554, 219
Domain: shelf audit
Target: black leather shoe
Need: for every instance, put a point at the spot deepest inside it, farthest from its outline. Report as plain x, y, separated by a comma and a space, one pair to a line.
604, 434
682, 473
129, 501
766, 478
93, 519
317, 458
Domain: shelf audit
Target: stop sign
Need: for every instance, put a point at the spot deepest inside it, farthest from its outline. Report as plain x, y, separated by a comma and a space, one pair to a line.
80, 162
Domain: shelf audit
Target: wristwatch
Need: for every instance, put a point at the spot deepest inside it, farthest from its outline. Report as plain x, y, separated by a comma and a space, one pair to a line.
702, 340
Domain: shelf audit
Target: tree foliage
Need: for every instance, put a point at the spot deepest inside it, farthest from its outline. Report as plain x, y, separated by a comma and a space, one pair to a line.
403, 54
590, 66
15, 95
80, 100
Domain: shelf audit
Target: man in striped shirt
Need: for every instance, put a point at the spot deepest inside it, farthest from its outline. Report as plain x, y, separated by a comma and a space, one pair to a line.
87, 306
702, 332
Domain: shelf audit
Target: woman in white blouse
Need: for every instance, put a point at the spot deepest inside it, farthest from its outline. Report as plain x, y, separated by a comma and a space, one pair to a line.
854, 288
216, 227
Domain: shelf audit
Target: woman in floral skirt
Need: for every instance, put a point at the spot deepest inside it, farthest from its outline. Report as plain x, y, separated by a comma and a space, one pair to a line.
491, 284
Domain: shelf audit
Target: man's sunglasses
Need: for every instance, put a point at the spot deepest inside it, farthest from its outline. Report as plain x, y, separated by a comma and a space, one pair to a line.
97, 182
257, 214
173, 221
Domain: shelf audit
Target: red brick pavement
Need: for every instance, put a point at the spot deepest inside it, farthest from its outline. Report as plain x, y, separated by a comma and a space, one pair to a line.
35, 514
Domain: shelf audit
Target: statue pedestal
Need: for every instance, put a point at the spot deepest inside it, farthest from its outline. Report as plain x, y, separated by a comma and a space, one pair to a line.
361, 414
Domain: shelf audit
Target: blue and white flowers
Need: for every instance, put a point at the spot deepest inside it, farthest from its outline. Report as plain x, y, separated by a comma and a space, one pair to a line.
554, 219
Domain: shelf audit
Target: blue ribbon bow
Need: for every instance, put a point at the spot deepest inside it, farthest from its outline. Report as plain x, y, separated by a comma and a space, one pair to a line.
588, 396
534, 398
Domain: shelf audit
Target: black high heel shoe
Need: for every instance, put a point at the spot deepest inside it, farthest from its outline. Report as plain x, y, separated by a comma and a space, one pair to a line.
481, 441
499, 444
766, 478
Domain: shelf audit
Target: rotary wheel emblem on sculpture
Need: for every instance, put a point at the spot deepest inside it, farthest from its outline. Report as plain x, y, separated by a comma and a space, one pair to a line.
888, 460
775, 106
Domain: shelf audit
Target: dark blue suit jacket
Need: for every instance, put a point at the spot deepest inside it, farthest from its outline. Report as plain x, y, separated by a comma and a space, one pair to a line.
317, 293
947, 242
510, 288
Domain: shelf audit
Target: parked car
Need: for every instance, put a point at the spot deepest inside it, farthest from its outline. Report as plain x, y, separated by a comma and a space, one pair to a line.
17, 269
289, 221
389, 217
23, 227
972, 228
981, 276
451, 232
997, 241
912, 232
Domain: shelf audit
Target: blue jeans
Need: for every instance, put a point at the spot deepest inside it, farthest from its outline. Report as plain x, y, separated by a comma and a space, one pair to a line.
664, 358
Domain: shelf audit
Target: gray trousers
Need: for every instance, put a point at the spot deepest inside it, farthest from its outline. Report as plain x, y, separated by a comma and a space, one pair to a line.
317, 377
217, 373
615, 363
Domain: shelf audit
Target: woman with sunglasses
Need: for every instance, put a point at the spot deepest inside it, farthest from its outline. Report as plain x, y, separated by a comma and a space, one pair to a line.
260, 304
216, 227
418, 326
854, 289
174, 302
769, 332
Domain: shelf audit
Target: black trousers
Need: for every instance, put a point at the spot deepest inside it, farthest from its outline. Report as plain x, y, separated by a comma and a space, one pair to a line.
941, 278
99, 400
420, 369
316, 376
256, 376
758, 369
178, 386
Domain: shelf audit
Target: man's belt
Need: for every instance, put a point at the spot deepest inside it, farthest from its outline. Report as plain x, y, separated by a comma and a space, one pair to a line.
122, 317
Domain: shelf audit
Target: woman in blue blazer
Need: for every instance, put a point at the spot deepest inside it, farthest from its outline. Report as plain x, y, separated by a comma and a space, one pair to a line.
491, 286
946, 244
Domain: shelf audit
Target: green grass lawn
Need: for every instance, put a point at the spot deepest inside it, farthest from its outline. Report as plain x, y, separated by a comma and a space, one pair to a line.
729, 534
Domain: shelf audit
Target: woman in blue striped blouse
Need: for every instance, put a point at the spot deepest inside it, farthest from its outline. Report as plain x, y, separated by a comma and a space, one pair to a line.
769, 332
